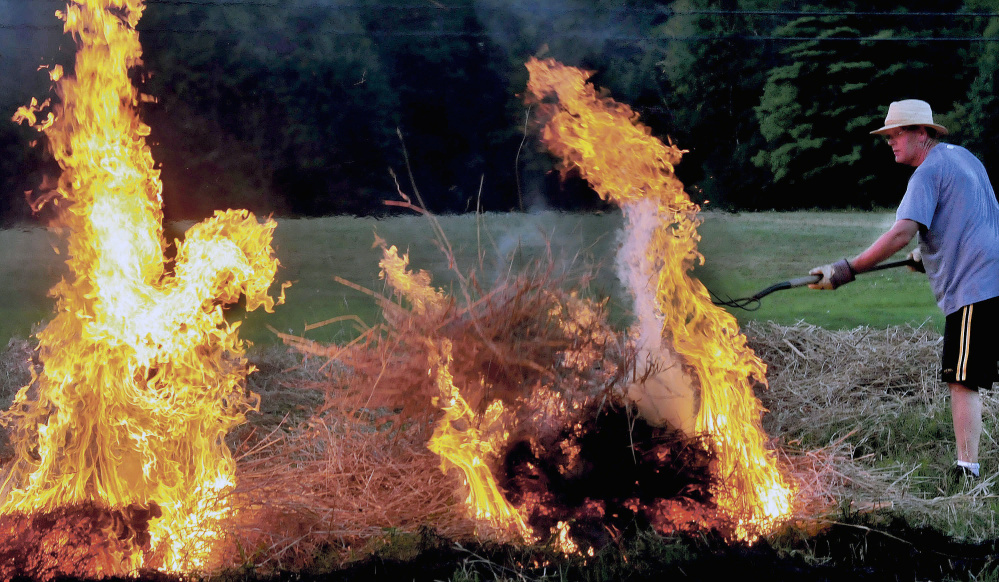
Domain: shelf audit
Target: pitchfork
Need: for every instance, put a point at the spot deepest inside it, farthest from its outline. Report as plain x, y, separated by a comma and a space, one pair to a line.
753, 303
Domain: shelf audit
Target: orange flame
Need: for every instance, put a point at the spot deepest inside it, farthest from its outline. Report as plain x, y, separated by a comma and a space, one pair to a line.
415, 287
461, 443
624, 163
462, 439
143, 377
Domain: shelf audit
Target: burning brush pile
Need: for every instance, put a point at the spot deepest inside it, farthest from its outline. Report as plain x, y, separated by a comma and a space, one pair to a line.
120, 460
539, 444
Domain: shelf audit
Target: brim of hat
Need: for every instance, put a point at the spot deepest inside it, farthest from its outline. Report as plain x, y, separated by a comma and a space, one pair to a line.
940, 129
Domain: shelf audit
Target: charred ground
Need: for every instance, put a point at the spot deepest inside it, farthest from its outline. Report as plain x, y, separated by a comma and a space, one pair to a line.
865, 548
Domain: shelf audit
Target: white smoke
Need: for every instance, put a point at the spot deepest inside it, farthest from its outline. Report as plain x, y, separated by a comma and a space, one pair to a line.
515, 247
633, 269
663, 393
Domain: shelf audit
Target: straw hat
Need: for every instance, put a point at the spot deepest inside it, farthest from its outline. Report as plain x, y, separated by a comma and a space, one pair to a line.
909, 112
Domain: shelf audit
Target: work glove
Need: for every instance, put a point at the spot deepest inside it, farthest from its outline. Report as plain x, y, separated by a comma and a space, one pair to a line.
916, 258
833, 275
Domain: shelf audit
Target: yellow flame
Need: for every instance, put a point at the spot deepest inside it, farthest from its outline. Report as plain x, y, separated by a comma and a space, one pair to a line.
142, 376
459, 438
563, 541
624, 163
461, 443
415, 287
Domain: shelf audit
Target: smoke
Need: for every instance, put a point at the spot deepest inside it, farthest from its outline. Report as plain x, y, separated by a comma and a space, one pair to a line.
515, 247
520, 240
635, 272
570, 30
664, 393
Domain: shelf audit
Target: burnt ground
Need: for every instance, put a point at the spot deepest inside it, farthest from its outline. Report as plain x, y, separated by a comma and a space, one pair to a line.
864, 547
847, 552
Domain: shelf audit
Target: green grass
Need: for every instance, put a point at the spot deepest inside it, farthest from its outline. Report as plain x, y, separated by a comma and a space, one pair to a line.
312, 251
747, 252
744, 253
29, 268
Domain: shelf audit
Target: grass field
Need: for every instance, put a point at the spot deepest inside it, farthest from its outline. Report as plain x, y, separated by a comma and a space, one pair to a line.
744, 253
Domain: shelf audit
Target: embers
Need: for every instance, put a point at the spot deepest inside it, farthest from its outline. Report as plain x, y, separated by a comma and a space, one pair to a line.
608, 473
77, 541
132, 522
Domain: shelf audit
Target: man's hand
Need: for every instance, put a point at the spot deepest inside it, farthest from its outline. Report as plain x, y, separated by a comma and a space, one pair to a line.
834, 275
916, 257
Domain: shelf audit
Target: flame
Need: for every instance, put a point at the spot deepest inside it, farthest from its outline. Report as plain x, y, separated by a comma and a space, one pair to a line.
415, 287
462, 438
142, 376
603, 140
563, 541
461, 443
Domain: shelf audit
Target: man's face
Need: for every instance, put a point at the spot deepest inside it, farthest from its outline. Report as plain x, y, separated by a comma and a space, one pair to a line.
907, 145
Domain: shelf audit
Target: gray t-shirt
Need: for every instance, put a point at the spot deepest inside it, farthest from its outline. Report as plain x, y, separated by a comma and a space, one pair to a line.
951, 198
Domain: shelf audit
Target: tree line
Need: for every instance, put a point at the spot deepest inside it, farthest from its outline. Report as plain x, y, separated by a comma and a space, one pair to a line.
315, 107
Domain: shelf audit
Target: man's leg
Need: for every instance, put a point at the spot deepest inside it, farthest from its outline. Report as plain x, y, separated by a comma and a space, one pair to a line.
966, 408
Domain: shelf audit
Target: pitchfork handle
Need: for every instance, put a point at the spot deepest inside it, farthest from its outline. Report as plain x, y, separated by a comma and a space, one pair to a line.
802, 281
809, 279
892, 265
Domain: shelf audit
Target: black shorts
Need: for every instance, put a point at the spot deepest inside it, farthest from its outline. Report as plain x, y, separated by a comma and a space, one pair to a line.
970, 351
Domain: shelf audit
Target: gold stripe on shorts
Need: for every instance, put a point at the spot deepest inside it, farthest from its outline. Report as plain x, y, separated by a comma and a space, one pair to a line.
962, 354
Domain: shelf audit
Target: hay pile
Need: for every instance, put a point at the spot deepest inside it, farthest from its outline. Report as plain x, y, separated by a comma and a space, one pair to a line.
865, 422
335, 487
820, 378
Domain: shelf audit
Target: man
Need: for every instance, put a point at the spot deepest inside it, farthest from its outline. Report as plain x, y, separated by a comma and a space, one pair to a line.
950, 203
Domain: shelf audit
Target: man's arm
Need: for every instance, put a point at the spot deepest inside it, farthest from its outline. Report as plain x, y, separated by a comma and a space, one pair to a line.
887, 245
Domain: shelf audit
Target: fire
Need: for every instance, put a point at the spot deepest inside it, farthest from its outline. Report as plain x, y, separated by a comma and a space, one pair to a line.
461, 443
462, 439
142, 377
677, 322
558, 458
